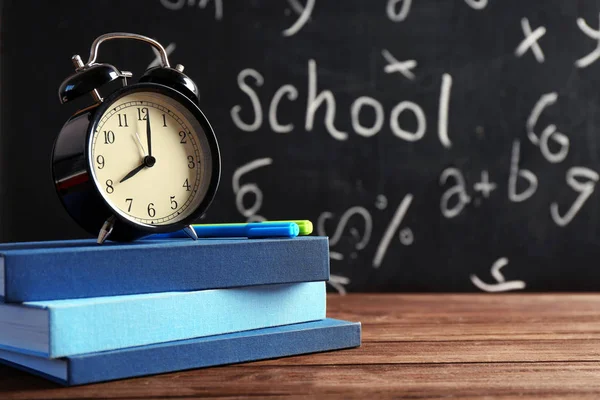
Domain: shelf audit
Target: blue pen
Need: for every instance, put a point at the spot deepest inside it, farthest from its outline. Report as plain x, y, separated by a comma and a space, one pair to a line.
251, 230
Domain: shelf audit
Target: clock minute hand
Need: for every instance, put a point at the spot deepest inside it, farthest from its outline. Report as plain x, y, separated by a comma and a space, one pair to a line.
148, 134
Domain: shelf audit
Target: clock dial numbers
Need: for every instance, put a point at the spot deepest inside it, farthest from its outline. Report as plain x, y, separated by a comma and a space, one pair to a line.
100, 161
148, 159
109, 137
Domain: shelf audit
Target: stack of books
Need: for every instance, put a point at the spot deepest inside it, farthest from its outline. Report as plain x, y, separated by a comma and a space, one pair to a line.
76, 312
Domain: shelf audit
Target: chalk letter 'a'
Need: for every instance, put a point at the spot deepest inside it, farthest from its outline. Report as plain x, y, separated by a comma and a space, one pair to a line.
516, 173
459, 190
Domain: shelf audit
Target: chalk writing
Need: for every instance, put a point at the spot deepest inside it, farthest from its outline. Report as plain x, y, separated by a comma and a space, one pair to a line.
179, 4
357, 106
403, 67
156, 62
477, 4
484, 185
338, 282
406, 236
393, 226
315, 101
343, 114
531, 41
304, 13
458, 190
250, 81
240, 191
381, 202
292, 94
419, 115
395, 13
516, 173
443, 110
235, 111
548, 133
585, 190
501, 285
593, 34
545, 100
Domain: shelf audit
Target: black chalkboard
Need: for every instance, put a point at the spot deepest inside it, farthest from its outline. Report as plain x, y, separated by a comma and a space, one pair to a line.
441, 145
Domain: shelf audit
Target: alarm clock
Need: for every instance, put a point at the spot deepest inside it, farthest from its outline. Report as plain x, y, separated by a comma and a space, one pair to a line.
142, 160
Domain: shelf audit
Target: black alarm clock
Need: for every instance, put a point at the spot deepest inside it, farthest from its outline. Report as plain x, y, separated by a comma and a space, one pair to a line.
142, 160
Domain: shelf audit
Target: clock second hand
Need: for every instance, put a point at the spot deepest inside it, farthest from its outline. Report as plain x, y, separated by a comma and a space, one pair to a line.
140, 145
148, 161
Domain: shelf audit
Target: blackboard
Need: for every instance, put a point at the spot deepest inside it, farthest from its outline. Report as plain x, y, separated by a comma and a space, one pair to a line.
441, 145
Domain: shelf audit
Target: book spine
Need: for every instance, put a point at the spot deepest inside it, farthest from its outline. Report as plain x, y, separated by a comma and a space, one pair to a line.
100, 326
94, 271
154, 360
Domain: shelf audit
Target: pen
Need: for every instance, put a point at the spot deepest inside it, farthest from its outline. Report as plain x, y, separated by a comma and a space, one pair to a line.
305, 227
251, 230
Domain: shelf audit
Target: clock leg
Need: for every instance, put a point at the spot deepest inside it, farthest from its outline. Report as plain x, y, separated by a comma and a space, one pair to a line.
106, 229
189, 230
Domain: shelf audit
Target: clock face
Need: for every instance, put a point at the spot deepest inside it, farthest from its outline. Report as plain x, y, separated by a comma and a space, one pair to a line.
150, 158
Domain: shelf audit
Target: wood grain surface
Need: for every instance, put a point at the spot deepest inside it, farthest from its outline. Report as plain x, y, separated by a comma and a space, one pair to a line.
505, 346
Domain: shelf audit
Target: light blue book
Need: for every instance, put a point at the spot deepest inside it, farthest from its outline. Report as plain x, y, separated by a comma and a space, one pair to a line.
62, 328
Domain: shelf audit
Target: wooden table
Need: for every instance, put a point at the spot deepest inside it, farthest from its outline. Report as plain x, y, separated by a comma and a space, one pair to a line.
509, 346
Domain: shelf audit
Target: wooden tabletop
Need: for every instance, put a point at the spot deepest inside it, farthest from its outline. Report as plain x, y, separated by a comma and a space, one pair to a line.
509, 346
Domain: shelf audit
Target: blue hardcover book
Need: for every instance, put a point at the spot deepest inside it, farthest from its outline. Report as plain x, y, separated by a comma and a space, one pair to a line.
80, 268
60, 328
260, 344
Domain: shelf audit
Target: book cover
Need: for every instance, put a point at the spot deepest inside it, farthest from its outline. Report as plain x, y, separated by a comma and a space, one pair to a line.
259, 344
60, 328
71, 269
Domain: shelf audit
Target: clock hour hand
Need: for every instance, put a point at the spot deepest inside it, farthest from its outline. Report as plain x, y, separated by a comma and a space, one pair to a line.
133, 172
149, 162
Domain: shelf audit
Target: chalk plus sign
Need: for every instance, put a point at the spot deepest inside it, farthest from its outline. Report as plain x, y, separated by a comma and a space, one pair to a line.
484, 186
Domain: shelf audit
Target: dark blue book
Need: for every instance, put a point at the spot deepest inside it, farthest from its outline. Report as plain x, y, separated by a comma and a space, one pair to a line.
54, 270
259, 344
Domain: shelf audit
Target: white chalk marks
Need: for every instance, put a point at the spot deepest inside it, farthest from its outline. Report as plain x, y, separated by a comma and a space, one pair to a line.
561, 141
585, 190
531, 41
501, 285
477, 4
545, 100
175, 5
404, 67
393, 226
458, 190
249, 188
516, 173
443, 110
156, 62
484, 186
256, 106
397, 10
304, 13
338, 282
593, 34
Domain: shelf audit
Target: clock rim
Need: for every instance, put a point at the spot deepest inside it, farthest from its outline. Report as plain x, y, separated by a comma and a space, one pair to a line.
210, 136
